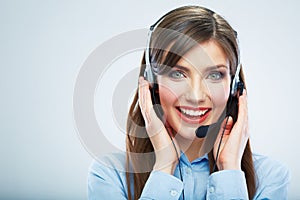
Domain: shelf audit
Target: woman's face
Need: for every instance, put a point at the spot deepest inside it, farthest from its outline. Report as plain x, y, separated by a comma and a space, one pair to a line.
195, 91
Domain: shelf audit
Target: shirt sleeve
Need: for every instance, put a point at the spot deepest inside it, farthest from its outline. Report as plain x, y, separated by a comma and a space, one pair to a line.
106, 182
161, 185
227, 184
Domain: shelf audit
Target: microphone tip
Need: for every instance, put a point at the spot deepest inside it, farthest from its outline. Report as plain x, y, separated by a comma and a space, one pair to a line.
201, 131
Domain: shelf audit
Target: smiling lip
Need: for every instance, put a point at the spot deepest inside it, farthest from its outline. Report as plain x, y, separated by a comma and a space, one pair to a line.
193, 115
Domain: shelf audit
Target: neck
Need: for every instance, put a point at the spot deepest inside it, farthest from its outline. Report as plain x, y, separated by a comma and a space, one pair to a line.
191, 148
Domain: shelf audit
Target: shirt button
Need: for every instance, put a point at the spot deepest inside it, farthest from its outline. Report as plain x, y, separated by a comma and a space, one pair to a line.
188, 170
173, 193
211, 189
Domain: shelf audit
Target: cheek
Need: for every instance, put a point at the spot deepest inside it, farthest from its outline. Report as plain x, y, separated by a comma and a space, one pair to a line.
219, 94
169, 91
167, 96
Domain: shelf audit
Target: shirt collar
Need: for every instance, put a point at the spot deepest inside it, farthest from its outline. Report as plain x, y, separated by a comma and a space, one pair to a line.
185, 160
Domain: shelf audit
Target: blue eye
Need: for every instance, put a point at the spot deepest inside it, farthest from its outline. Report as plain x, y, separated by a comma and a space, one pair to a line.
176, 74
215, 76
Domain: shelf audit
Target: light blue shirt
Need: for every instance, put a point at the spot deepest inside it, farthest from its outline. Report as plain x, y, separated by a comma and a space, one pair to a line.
107, 180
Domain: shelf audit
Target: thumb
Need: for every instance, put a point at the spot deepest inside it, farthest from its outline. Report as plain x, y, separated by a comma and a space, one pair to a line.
226, 125
225, 128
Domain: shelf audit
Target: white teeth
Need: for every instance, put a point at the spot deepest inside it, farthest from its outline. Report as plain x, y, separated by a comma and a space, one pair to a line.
193, 113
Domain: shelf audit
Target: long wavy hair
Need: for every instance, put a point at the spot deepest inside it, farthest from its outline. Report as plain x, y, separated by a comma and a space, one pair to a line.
189, 23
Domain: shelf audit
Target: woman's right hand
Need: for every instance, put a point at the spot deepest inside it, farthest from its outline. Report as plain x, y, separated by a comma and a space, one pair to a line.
165, 150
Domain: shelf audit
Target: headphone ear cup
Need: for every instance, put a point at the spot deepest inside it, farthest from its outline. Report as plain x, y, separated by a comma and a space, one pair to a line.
237, 87
149, 76
240, 87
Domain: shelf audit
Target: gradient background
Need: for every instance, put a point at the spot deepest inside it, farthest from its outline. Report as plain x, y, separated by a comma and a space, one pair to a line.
44, 43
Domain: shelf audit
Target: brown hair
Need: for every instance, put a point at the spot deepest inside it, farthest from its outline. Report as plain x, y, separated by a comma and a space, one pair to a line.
189, 23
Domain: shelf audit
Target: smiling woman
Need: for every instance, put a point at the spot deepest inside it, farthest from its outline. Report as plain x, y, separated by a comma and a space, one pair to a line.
192, 65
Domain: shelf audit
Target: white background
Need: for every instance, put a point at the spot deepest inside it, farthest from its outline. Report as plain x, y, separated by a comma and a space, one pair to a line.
44, 43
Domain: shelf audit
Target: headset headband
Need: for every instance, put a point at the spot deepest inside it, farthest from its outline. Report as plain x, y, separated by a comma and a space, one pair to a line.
149, 72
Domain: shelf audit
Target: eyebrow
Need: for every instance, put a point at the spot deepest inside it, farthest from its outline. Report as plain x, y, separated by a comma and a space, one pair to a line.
206, 68
216, 67
182, 68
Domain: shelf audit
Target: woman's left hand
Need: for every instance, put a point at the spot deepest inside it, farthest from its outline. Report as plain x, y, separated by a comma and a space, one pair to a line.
234, 139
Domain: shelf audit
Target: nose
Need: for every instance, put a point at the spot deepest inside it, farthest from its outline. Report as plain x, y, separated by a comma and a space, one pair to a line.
197, 91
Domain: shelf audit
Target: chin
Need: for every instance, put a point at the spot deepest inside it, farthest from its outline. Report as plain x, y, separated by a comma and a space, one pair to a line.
187, 133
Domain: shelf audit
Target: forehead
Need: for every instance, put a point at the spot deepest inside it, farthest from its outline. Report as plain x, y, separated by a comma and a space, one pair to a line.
203, 55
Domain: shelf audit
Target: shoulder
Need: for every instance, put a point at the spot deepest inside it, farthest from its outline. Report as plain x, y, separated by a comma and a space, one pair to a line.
107, 177
110, 168
270, 171
265, 165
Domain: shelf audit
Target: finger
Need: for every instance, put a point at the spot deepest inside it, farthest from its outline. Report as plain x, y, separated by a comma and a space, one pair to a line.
225, 130
145, 101
241, 125
239, 133
243, 110
224, 133
153, 124
226, 126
